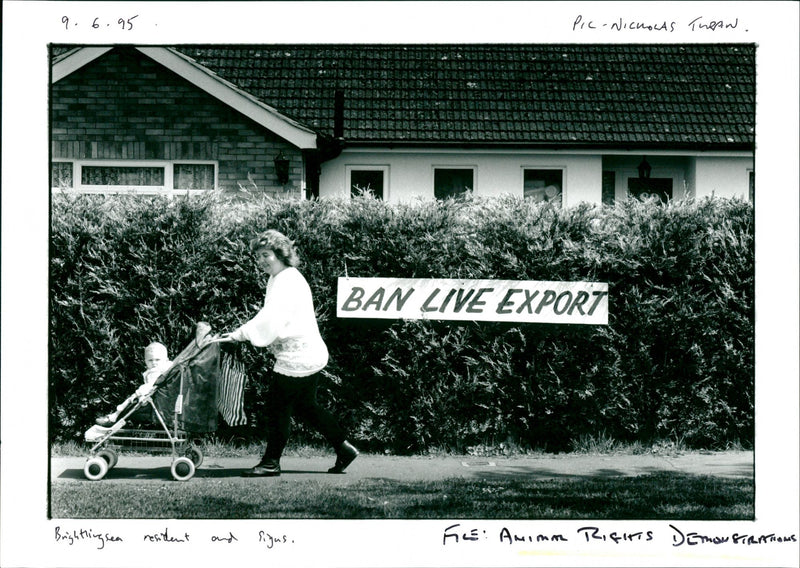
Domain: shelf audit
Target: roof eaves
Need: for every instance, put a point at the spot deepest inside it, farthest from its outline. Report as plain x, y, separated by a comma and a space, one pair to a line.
628, 146
69, 62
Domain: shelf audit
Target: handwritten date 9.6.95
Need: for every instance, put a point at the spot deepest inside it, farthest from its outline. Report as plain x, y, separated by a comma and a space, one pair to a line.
98, 23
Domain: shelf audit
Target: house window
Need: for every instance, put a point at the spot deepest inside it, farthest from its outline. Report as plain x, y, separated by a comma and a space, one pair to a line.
142, 177
61, 175
645, 188
122, 175
452, 182
752, 186
543, 185
193, 176
369, 180
609, 187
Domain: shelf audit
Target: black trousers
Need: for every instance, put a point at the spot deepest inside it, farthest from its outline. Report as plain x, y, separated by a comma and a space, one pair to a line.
297, 396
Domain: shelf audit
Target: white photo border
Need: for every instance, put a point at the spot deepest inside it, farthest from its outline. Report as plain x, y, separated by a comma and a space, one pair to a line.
28, 29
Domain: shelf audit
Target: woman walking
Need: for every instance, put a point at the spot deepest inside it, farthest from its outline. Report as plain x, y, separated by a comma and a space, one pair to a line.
287, 325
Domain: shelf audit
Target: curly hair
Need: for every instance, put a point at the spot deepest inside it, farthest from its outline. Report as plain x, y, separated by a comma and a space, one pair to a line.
278, 243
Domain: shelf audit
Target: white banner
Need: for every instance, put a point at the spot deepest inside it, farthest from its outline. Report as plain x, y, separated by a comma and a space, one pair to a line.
473, 300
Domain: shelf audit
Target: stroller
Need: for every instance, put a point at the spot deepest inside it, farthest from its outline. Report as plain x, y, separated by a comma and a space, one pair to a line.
189, 393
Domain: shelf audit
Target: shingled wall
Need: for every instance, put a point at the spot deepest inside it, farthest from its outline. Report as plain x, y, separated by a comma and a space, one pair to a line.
124, 106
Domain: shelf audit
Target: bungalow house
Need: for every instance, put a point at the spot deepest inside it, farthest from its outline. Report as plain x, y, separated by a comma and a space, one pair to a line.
570, 123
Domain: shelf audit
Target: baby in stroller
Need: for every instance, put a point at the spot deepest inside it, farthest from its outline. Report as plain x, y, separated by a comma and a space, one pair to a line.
156, 361
191, 390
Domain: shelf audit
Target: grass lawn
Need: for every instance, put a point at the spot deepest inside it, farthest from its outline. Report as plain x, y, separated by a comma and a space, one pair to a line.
658, 496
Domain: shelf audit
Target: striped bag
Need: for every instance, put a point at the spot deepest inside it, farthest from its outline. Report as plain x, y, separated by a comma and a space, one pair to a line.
230, 390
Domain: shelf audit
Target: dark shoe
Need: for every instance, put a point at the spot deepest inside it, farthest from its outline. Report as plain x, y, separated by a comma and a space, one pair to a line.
345, 455
267, 468
104, 421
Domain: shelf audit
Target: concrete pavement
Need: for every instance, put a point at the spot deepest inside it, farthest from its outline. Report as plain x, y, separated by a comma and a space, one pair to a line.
545, 466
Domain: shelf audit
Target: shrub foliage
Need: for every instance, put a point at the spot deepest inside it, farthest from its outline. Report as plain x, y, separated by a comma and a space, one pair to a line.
676, 360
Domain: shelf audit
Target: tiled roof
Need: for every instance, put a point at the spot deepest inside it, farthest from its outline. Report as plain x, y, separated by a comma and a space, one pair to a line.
687, 94
661, 95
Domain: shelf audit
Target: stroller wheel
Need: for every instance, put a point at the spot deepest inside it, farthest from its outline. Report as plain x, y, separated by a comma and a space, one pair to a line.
110, 456
182, 469
95, 468
195, 454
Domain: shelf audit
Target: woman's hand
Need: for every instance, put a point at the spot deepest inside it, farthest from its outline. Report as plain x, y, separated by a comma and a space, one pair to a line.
226, 338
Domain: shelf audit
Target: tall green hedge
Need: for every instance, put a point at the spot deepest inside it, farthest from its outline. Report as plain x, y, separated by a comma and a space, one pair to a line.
675, 361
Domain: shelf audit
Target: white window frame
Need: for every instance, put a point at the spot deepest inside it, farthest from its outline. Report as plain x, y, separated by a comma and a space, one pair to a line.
472, 167
562, 169
371, 168
166, 189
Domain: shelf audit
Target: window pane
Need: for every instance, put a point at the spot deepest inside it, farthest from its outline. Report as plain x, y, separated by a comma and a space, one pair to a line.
543, 185
122, 175
452, 182
752, 186
366, 181
193, 176
61, 174
609, 187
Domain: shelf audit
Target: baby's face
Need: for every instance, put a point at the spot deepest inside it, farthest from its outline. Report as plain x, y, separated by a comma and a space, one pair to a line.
153, 360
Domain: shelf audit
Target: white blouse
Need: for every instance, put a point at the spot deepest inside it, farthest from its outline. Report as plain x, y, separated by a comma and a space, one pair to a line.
287, 325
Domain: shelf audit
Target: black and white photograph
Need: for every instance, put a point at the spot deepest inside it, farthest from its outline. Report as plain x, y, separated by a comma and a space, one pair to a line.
352, 297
